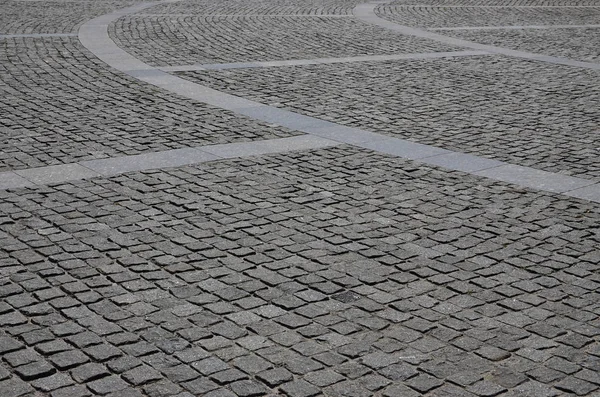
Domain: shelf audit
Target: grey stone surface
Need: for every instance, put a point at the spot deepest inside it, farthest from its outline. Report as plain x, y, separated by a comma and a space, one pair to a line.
168, 158
367, 13
590, 192
56, 173
500, 108
536, 179
402, 148
245, 253
9, 180
305, 267
258, 38
53, 113
462, 162
316, 61
284, 117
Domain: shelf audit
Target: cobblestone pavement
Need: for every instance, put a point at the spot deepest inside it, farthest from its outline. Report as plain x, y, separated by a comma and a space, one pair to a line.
306, 266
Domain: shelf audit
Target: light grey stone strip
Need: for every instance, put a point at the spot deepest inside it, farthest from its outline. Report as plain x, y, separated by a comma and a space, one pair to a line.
10, 180
482, 6
94, 36
165, 159
36, 35
590, 193
537, 179
515, 27
56, 173
320, 61
147, 14
366, 12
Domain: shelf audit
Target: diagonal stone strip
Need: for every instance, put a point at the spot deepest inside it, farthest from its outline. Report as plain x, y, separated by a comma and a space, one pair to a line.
366, 13
145, 14
36, 35
516, 27
489, 6
320, 61
164, 159
94, 36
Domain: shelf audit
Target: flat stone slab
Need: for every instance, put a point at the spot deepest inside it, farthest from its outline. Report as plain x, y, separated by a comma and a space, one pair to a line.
10, 180
590, 192
57, 173
462, 162
402, 148
271, 146
168, 158
537, 179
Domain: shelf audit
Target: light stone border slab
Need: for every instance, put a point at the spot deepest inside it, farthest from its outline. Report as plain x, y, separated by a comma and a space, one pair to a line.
156, 160
475, 6
94, 36
366, 13
11, 180
57, 173
36, 35
536, 179
515, 27
319, 61
148, 14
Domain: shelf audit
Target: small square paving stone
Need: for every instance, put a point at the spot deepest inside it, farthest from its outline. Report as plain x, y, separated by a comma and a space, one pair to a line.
180, 373
35, 370
68, 359
275, 377
486, 389
129, 392
220, 393
248, 388
228, 376
53, 382
107, 385
424, 383
577, 386
323, 378
300, 388
103, 352
14, 388
141, 375
8, 344
72, 391
200, 386
399, 390
251, 364
210, 365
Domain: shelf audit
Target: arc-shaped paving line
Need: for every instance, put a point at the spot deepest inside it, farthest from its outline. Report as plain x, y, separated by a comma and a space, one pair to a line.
366, 12
94, 36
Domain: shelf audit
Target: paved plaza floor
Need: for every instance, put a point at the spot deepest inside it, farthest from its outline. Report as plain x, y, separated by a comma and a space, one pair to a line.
300, 198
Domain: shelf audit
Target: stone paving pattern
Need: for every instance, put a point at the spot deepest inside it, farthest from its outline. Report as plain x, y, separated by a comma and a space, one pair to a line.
165, 40
580, 44
35, 16
494, 106
434, 15
53, 113
324, 272
296, 274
